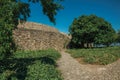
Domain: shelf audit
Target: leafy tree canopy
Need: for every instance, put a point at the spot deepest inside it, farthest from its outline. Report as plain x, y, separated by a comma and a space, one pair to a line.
91, 29
118, 36
21, 10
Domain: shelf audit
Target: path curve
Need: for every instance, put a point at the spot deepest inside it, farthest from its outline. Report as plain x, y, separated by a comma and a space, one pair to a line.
71, 69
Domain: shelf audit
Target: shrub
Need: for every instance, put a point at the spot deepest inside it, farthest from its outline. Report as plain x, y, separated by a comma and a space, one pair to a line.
31, 65
39, 71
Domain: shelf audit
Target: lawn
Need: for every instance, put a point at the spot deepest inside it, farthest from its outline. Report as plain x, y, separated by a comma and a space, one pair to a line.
31, 65
102, 56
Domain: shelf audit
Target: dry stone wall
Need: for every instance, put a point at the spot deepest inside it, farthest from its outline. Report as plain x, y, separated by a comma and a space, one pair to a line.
37, 39
36, 26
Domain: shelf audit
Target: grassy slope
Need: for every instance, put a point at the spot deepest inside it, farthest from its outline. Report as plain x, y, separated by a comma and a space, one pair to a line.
31, 65
98, 55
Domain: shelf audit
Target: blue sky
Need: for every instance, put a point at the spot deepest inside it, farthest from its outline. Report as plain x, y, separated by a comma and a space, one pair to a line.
107, 9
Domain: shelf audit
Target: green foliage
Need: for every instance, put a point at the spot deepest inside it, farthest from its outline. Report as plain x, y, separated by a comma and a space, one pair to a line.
6, 40
16, 68
42, 53
30, 65
118, 36
98, 55
13, 10
106, 34
39, 71
91, 29
10, 12
50, 8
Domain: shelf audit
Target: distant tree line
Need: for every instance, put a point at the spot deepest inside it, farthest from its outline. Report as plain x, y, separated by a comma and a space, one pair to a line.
88, 31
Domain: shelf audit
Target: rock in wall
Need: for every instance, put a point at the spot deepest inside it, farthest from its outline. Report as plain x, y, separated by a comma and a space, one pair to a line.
36, 26
38, 39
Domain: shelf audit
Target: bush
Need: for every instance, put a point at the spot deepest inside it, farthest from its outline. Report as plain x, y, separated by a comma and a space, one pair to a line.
7, 46
39, 71
30, 65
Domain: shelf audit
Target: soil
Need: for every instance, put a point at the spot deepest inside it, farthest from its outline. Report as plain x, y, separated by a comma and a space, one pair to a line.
72, 69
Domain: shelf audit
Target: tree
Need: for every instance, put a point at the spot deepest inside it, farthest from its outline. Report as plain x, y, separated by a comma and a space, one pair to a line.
106, 34
91, 29
13, 10
118, 36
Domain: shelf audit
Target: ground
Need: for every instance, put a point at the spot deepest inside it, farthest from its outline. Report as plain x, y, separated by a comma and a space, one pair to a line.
71, 69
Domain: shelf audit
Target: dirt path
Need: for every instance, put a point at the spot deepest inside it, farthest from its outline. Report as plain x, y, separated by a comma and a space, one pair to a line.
71, 69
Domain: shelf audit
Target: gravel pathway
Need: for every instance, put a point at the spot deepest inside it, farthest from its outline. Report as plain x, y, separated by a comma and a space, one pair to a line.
71, 69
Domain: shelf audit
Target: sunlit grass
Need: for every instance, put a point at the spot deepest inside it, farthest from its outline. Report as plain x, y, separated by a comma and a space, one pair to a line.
36, 54
97, 55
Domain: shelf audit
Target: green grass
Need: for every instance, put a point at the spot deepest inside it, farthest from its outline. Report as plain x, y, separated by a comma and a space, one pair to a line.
36, 54
101, 56
31, 65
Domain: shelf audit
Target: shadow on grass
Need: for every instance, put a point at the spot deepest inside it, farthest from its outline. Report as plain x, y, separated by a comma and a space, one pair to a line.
17, 67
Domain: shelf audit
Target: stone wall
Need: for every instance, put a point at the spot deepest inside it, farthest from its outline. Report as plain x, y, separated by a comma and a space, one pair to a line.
37, 39
36, 26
